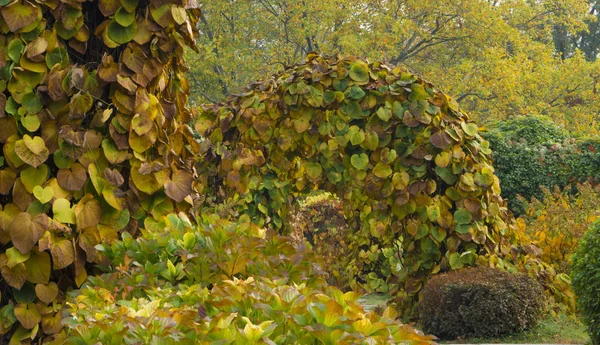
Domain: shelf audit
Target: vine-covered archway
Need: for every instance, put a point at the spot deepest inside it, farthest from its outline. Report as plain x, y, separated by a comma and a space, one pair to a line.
400, 154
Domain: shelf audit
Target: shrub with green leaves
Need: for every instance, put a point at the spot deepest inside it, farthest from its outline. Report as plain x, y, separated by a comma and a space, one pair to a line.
532, 152
586, 280
480, 302
221, 282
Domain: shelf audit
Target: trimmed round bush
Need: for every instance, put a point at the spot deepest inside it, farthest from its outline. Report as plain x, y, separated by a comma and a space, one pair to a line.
480, 302
586, 280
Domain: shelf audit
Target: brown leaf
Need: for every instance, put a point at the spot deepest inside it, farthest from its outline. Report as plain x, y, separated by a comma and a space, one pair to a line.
72, 179
179, 186
114, 177
63, 253
26, 230
87, 212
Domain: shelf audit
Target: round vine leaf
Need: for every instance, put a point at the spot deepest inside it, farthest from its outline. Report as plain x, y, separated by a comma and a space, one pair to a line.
469, 128
314, 170
382, 170
32, 151
124, 18
179, 185
179, 14
38, 267
62, 211
46, 292
14, 276
360, 161
28, 315
31, 177
31, 122
15, 257
21, 14
462, 216
88, 212
63, 253
121, 34
26, 230
359, 72
44, 195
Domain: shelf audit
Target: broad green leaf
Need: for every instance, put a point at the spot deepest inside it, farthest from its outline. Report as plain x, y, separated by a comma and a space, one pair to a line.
44, 195
360, 161
121, 34
382, 170
462, 216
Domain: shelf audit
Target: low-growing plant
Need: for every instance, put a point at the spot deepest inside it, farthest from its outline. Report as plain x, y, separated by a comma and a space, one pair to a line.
556, 222
220, 282
586, 280
480, 302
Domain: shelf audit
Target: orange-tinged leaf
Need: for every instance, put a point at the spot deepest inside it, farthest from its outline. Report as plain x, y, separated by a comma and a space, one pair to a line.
87, 212
28, 315
46, 292
179, 185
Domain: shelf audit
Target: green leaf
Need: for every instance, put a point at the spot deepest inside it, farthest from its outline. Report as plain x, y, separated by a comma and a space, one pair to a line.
121, 34
44, 195
15, 257
32, 177
360, 161
15, 49
455, 261
31, 122
463, 216
382, 170
124, 18
359, 72
21, 15
314, 170
469, 128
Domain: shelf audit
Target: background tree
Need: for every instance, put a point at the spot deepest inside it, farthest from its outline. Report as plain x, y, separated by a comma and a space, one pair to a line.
497, 57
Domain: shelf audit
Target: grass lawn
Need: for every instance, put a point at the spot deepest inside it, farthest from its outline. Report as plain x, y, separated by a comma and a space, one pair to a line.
561, 330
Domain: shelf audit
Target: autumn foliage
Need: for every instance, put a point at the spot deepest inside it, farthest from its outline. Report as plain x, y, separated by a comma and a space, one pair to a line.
94, 139
406, 162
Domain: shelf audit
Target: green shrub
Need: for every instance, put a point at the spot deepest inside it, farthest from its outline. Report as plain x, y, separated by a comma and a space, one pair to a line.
220, 283
530, 152
586, 280
480, 302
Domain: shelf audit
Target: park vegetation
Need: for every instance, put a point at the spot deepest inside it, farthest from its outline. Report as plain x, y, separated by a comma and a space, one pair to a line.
149, 201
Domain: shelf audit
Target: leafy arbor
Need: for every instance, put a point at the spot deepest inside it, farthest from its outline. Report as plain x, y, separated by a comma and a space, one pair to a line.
411, 167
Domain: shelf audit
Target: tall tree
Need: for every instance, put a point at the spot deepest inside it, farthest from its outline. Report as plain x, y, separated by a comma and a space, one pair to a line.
496, 57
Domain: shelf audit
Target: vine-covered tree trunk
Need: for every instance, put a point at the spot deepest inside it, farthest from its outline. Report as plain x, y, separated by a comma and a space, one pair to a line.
94, 140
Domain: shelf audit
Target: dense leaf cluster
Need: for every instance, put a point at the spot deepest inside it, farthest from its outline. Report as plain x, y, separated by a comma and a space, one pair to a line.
405, 161
586, 280
221, 282
480, 302
93, 138
531, 153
